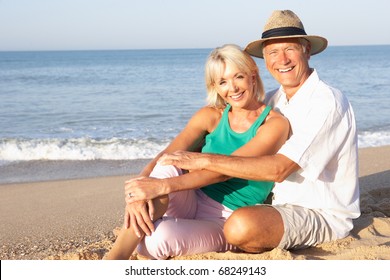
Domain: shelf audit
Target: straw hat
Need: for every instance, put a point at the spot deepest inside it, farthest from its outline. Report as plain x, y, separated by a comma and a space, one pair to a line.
285, 24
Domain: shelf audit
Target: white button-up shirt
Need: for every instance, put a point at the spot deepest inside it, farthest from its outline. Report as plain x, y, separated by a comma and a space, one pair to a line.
324, 144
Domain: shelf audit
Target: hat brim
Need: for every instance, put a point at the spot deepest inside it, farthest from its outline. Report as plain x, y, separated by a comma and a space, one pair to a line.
318, 44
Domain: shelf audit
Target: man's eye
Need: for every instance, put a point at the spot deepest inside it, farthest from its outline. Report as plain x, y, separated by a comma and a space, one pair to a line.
272, 53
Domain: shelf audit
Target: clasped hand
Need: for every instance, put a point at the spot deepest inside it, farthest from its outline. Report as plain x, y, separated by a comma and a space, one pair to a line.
140, 191
139, 211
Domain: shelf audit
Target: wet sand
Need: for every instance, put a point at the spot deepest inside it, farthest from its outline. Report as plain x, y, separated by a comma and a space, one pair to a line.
76, 218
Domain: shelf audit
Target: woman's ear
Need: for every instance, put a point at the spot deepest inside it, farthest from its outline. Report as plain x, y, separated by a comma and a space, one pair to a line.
254, 78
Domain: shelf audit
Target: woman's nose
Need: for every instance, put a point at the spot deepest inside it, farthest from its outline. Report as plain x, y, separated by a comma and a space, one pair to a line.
232, 86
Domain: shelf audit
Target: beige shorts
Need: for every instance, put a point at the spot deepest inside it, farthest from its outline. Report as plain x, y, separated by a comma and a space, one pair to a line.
303, 227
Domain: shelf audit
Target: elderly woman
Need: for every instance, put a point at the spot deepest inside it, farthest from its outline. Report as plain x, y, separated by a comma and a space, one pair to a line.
190, 219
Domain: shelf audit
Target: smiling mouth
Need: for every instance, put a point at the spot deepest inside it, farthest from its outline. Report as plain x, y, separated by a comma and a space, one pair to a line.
237, 96
285, 70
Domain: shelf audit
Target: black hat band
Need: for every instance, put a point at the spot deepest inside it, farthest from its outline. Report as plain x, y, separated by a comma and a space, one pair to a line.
283, 31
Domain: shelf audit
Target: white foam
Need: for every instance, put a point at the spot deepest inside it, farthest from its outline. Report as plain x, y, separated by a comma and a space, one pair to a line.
374, 138
78, 149
114, 148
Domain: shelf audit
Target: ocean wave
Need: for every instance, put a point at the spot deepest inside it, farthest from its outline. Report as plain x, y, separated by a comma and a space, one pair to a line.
116, 148
374, 138
78, 149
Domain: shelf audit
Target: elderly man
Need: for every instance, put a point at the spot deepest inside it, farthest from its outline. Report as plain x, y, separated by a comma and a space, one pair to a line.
316, 195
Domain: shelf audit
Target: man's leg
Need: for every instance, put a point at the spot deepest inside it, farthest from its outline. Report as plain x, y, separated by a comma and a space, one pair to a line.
264, 227
255, 229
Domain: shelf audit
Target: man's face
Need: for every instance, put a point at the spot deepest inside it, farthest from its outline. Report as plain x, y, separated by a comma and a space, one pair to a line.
288, 62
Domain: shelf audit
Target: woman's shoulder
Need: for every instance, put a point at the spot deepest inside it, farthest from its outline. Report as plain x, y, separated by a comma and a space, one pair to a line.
211, 111
275, 116
210, 116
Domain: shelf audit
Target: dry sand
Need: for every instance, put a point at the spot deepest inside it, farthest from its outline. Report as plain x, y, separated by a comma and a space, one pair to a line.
76, 219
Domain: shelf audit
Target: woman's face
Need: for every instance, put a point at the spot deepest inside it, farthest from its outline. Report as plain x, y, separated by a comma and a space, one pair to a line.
235, 86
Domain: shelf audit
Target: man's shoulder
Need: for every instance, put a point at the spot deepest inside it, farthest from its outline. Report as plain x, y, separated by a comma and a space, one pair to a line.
332, 95
323, 85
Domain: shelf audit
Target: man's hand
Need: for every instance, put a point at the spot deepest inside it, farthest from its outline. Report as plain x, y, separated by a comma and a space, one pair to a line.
185, 160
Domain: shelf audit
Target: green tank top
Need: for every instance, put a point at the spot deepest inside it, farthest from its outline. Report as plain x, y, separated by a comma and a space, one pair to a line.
235, 193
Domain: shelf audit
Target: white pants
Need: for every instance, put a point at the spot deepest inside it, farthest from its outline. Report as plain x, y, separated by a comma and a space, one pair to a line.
193, 224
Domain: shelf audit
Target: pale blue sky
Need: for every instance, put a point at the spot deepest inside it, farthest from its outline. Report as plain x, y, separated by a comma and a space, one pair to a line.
150, 24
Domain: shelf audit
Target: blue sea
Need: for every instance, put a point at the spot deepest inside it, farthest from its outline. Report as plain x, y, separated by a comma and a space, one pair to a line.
62, 111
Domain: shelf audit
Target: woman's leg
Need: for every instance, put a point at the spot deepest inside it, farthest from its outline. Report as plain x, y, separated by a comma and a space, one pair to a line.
201, 233
127, 240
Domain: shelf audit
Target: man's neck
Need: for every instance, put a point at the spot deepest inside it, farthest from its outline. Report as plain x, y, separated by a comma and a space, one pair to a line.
290, 92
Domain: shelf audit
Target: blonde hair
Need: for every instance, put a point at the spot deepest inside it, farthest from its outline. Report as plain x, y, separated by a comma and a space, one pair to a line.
215, 65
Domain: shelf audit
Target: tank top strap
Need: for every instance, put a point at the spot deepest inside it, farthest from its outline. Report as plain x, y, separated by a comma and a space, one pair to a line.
253, 129
262, 117
225, 113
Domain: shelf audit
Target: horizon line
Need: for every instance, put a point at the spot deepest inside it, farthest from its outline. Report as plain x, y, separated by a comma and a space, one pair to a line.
153, 49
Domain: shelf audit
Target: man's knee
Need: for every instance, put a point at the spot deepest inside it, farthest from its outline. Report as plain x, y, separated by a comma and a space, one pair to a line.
254, 229
236, 227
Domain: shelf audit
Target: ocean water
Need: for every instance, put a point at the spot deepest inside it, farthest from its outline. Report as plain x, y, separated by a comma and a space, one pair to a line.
128, 105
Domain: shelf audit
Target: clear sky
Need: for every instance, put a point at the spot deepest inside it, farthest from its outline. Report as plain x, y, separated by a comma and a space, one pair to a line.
151, 24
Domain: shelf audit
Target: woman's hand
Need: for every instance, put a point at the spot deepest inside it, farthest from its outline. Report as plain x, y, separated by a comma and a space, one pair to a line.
139, 213
138, 216
143, 188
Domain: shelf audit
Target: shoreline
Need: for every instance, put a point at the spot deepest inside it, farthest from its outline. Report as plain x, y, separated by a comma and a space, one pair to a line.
35, 171
54, 170
76, 218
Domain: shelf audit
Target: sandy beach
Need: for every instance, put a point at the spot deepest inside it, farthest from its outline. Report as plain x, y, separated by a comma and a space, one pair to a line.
76, 219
